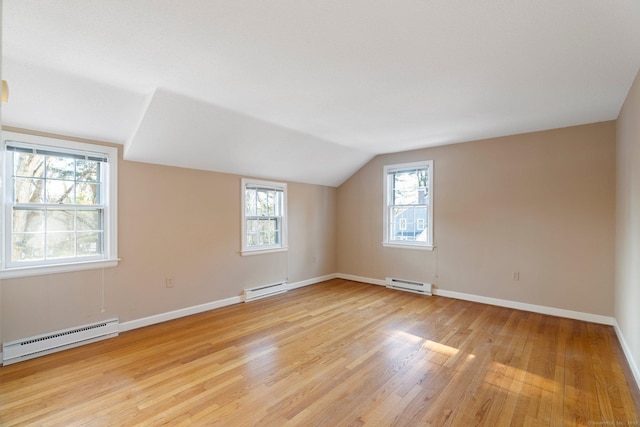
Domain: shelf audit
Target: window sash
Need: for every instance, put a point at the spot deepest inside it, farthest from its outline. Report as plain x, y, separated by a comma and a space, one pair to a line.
256, 205
46, 244
402, 229
263, 216
257, 237
408, 216
78, 242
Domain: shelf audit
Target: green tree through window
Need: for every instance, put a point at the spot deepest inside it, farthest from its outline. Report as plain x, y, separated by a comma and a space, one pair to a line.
59, 205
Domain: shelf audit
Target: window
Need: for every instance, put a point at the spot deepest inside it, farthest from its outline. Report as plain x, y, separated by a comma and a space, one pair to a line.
264, 217
408, 210
59, 202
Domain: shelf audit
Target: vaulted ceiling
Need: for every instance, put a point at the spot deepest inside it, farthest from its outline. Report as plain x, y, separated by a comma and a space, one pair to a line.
307, 90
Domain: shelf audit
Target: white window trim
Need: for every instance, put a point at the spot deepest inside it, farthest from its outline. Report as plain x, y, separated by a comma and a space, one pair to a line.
110, 256
407, 244
283, 246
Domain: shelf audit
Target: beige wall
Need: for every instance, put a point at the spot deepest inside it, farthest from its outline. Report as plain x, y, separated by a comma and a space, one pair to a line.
627, 304
541, 204
182, 223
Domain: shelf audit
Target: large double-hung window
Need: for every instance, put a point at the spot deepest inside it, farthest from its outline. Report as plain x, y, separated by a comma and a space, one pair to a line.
59, 205
408, 210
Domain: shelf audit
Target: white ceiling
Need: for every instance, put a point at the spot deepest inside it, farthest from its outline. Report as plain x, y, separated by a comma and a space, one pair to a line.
308, 90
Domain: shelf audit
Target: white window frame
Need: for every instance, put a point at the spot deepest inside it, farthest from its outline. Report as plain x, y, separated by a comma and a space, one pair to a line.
255, 250
109, 257
407, 244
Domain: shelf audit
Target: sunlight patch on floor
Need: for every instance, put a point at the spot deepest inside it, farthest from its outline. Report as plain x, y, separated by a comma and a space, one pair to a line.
515, 380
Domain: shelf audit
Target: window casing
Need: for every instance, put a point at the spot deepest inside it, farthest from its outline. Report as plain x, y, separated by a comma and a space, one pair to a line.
264, 216
59, 205
408, 205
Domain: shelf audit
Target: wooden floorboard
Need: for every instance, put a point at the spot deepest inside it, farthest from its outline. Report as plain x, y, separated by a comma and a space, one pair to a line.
339, 353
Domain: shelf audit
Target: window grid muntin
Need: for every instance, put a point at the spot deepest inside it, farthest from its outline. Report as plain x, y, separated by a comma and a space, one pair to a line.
271, 216
272, 199
45, 206
46, 180
422, 237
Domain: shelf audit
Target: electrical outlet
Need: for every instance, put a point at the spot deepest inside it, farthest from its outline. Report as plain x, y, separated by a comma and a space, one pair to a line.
169, 281
515, 275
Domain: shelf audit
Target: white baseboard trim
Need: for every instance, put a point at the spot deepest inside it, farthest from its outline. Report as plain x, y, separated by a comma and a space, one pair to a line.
552, 311
361, 279
627, 353
176, 314
312, 281
587, 317
188, 311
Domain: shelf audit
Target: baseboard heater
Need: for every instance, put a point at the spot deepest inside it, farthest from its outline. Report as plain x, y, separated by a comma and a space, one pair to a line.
252, 294
39, 345
409, 286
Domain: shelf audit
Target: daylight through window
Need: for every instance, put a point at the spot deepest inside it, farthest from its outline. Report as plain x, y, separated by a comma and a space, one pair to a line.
264, 216
408, 214
57, 200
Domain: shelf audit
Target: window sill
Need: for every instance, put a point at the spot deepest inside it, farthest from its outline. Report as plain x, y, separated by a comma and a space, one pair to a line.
408, 246
249, 252
11, 273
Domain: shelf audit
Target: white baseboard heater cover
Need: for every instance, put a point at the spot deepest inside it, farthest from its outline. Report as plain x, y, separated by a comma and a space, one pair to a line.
252, 294
39, 345
409, 286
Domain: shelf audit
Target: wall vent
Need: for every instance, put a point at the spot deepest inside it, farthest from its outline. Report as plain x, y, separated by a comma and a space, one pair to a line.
39, 345
409, 286
252, 294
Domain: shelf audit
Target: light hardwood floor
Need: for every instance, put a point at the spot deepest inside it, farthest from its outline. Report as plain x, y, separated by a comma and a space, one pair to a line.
338, 353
